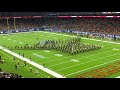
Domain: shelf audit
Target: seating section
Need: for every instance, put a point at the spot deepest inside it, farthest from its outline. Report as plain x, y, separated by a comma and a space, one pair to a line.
99, 25
9, 75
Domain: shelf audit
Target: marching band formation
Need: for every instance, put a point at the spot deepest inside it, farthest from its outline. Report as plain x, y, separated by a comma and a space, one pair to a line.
71, 46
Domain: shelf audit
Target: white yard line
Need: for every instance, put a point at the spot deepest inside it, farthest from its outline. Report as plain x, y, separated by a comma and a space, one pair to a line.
59, 64
51, 56
84, 63
89, 39
91, 67
33, 63
78, 58
118, 77
85, 38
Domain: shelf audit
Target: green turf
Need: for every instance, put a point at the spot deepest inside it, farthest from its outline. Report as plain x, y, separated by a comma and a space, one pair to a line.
9, 66
63, 64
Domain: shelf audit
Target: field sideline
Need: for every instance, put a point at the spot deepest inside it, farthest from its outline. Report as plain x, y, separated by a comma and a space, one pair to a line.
65, 64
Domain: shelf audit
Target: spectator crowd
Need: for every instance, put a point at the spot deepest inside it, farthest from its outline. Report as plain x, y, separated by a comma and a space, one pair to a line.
9, 75
97, 25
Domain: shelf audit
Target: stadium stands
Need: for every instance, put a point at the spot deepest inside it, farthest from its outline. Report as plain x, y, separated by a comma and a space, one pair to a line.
98, 25
9, 75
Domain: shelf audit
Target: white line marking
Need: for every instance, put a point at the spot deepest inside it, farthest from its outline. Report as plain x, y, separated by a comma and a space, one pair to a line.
33, 63
20, 43
74, 60
46, 51
58, 64
118, 77
94, 39
14, 40
83, 53
85, 38
115, 49
38, 55
9, 39
82, 58
85, 62
77, 58
91, 67
5, 37
59, 55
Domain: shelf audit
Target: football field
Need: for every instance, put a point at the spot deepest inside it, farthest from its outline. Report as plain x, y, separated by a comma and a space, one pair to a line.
62, 63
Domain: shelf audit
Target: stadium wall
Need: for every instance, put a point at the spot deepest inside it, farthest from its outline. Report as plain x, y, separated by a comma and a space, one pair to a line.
54, 30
